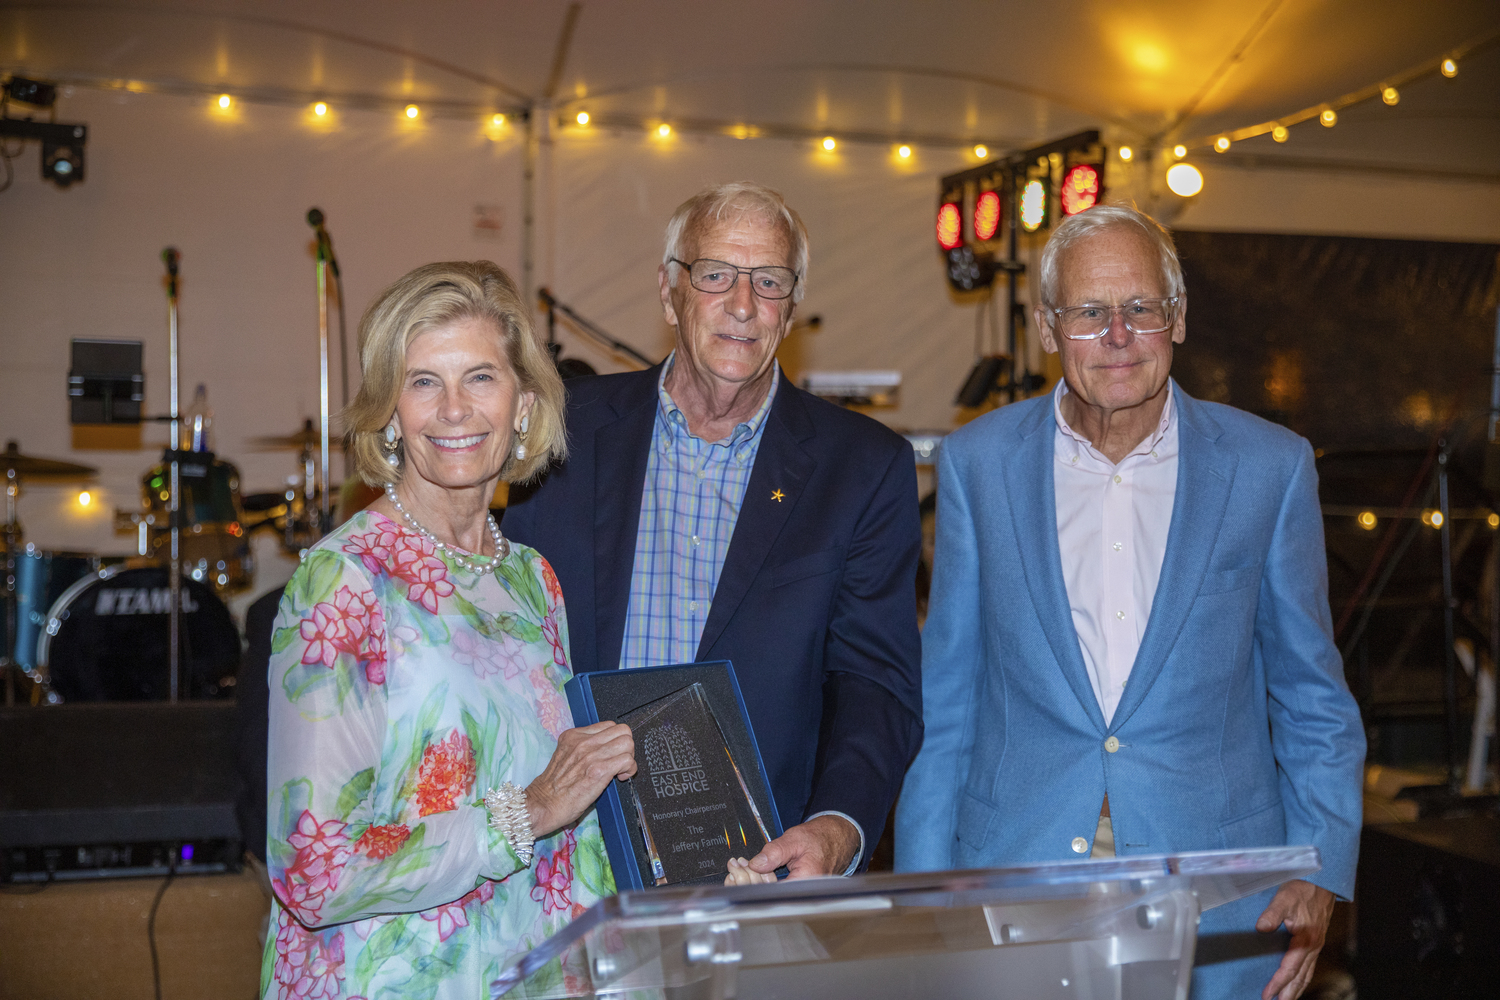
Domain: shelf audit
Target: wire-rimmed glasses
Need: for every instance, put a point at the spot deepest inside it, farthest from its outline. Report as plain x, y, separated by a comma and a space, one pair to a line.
715, 276
1140, 315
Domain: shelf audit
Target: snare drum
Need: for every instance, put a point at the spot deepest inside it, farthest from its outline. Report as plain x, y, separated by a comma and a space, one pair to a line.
107, 639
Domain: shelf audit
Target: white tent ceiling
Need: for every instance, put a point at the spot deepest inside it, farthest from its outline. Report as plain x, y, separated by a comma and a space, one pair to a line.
1010, 74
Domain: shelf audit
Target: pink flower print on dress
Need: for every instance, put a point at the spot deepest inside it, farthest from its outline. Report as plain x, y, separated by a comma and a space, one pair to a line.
325, 634
446, 772
375, 547
486, 657
308, 966
554, 878
450, 917
426, 574
322, 851
549, 704
298, 899
554, 636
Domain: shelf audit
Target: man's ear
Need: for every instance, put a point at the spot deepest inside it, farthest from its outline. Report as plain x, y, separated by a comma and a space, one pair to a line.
1042, 318
1179, 325
668, 310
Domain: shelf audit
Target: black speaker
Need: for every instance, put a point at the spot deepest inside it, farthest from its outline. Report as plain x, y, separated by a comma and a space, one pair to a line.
1426, 907
117, 789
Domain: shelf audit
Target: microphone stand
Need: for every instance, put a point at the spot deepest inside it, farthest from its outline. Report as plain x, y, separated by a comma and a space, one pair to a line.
170, 257
326, 259
618, 346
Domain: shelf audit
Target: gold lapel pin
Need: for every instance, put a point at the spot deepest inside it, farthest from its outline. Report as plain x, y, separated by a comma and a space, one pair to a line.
778, 496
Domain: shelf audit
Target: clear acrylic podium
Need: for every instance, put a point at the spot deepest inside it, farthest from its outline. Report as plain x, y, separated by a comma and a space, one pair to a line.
1120, 929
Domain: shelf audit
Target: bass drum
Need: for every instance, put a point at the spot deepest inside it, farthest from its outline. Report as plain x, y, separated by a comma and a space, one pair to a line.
108, 636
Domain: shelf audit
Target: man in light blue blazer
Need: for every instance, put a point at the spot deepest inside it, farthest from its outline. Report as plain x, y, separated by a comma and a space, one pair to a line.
1129, 648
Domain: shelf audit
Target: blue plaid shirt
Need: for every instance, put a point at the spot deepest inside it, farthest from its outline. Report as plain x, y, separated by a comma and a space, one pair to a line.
689, 505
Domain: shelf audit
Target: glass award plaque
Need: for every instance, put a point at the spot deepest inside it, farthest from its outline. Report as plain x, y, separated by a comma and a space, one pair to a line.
690, 800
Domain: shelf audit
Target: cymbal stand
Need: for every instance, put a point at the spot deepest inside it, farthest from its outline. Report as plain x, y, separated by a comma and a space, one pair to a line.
12, 531
170, 257
325, 260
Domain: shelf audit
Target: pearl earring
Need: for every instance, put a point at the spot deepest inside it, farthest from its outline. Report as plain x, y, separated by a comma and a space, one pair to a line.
392, 459
521, 438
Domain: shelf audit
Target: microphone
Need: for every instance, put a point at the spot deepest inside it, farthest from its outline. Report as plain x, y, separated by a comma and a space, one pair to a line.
170, 256
546, 297
325, 243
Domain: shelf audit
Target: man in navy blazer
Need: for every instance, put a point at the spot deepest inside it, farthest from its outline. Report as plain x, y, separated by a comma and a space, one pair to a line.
1117, 531
709, 509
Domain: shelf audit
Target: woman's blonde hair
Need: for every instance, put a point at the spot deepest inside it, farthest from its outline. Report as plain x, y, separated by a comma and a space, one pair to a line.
435, 295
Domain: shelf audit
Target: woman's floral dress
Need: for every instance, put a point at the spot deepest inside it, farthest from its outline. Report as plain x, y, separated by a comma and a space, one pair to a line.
402, 689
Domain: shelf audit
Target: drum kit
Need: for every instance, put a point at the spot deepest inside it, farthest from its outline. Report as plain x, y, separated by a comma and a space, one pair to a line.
84, 627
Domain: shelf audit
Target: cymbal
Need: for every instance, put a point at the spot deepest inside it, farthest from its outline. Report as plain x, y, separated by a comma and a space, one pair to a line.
26, 465
307, 437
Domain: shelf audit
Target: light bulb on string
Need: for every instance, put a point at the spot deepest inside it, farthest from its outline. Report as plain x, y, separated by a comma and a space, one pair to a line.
829, 144
1390, 96
497, 121
981, 151
412, 111
1449, 68
1329, 118
663, 130
1126, 153
904, 152
320, 109
1221, 144
225, 101
1179, 151
1279, 133
583, 118
1184, 179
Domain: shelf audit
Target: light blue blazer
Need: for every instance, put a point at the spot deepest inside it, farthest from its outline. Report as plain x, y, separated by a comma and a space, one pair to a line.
1236, 728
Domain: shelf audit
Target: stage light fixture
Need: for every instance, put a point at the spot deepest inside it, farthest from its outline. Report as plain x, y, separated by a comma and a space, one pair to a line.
981, 151
34, 92
986, 215
412, 111
1179, 151
1279, 133
1126, 153
1329, 118
1221, 144
1034, 197
320, 109
1390, 96
904, 152
583, 118
829, 144
1450, 68
225, 101
1080, 189
1184, 179
949, 225
62, 163
968, 271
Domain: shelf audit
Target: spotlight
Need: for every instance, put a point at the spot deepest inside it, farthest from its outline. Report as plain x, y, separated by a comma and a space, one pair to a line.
829, 144
1034, 198
412, 111
1184, 179
42, 95
949, 225
62, 164
1080, 189
986, 215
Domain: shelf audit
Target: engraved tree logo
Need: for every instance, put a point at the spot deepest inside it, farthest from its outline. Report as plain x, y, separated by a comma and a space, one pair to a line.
670, 749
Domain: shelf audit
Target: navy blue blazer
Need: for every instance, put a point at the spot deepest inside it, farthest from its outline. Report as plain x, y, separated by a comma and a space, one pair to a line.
816, 602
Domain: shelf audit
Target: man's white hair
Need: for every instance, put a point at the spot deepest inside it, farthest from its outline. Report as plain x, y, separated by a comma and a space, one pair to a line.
717, 202
1077, 228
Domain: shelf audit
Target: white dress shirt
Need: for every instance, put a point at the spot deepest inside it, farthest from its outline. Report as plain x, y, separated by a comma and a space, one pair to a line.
1112, 523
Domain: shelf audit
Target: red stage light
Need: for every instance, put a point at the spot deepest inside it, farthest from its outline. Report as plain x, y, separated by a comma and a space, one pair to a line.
986, 216
1080, 189
949, 226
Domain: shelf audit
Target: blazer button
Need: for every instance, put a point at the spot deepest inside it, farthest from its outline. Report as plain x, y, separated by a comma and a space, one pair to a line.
1080, 846
1111, 744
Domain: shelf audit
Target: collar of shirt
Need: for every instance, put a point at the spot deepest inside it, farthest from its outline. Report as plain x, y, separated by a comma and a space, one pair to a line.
672, 425
1073, 448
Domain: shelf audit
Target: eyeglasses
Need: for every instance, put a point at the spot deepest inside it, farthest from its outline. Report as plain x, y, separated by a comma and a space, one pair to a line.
715, 276
1140, 316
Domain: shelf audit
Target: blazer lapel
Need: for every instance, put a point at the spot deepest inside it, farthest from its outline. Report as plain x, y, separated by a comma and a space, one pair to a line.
1029, 485
621, 449
1205, 471
782, 466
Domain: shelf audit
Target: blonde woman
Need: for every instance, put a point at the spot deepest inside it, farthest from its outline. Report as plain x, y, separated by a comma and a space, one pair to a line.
429, 803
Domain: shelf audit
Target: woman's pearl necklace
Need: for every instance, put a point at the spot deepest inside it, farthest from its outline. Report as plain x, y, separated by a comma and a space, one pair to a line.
472, 563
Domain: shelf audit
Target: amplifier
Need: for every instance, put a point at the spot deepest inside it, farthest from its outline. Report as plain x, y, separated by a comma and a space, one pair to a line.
117, 789
1426, 914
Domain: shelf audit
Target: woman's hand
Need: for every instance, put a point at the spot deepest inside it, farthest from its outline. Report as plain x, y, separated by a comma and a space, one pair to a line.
586, 760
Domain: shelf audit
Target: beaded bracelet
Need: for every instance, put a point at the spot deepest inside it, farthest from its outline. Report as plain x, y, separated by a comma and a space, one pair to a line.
507, 806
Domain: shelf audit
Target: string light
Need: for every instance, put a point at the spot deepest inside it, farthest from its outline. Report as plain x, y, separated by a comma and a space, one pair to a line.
583, 118
1279, 133
320, 109
663, 130
412, 111
904, 152
1390, 96
1179, 151
1329, 118
1126, 153
1184, 179
1493, 520
224, 101
497, 121
1366, 520
85, 498
1221, 144
981, 151
1449, 68
829, 144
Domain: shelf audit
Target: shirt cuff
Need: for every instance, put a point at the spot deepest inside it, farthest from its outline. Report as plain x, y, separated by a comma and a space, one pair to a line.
853, 865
